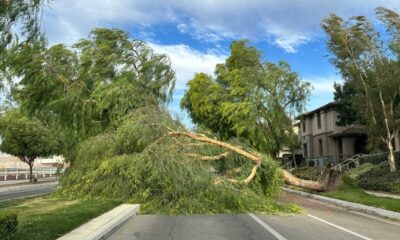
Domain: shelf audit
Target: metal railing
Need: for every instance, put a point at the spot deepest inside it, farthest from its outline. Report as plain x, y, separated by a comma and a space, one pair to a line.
351, 162
325, 160
23, 173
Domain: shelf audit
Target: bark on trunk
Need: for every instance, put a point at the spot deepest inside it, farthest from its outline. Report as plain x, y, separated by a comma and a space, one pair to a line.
392, 163
30, 172
298, 182
320, 185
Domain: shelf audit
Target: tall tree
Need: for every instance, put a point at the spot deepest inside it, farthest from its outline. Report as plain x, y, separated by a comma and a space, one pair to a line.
346, 96
21, 14
89, 88
24, 138
371, 63
248, 98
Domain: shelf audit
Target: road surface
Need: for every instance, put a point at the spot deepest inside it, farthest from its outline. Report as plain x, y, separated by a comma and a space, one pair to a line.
319, 221
27, 190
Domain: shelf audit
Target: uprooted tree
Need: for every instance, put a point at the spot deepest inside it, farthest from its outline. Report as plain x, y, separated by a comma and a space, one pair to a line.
105, 100
153, 159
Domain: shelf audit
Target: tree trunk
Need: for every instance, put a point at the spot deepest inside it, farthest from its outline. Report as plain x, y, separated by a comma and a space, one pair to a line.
30, 172
298, 182
322, 184
392, 163
294, 159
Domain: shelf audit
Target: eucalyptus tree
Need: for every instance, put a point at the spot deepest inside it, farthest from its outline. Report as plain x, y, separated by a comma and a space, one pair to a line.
248, 98
86, 89
370, 62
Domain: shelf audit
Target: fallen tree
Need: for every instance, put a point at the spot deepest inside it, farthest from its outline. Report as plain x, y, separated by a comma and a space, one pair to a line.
153, 160
322, 184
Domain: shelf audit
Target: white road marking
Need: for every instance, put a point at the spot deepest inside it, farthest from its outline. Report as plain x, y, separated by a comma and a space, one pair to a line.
339, 227
267, 227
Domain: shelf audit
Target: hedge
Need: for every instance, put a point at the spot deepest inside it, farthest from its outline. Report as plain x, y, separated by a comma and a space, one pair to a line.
379, 178
378, 158
8, 224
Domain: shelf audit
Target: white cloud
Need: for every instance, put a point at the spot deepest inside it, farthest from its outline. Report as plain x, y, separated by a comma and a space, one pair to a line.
286, 23
187, 61
323, 84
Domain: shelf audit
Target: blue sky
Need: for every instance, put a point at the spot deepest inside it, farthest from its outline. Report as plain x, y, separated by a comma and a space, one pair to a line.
196, 34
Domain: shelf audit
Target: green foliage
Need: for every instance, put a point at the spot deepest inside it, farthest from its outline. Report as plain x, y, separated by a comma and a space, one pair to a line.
248, 98
87, 89
23, 13
308, 173
354, 173
377, 158
48, 218
349, 191
23, 137
345, 95
140, 162
369, 65
379, 178
8, 224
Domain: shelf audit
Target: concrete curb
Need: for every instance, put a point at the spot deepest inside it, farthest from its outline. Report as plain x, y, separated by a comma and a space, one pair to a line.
104, 225
349, 205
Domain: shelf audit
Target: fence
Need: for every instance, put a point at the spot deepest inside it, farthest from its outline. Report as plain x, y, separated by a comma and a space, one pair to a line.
325, 160
377, 158
23, 173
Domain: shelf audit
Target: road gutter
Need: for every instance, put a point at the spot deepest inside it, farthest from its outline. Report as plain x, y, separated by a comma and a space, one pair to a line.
104, 225
349, 205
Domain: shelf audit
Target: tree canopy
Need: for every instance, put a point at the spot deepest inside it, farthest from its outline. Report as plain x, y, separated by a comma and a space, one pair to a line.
23, 14
369, 63
24, 137
88, 88
248, 98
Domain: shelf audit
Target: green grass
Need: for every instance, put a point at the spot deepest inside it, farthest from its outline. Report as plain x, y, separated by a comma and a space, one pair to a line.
48, 218
349, 191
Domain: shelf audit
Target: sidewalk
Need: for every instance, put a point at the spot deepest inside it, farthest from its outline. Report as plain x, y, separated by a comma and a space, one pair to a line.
104, 225
25, 181
383, 194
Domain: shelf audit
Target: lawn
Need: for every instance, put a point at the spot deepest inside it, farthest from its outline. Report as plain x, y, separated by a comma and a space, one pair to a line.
349, 191
48, 218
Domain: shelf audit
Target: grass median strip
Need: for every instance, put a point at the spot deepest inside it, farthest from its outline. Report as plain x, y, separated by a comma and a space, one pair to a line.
48, 218
349, 191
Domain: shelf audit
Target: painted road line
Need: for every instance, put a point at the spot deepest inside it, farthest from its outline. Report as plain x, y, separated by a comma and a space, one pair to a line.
267, 227
339, 227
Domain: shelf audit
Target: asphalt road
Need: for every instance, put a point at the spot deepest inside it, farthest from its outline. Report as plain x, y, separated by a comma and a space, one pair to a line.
319, 221
27, 190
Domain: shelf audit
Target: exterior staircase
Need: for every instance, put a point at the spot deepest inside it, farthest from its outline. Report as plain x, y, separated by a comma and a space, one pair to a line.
347, 164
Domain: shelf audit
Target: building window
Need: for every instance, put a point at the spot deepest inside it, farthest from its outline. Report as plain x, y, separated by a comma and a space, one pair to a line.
321, 150
304, 125
305, 150
319, 120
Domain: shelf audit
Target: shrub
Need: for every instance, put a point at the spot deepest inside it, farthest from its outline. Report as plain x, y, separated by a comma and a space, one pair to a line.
8, 224
379, 178
378, 158
308, 173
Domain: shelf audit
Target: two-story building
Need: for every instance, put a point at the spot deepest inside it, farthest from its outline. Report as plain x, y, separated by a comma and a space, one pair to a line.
323, 141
